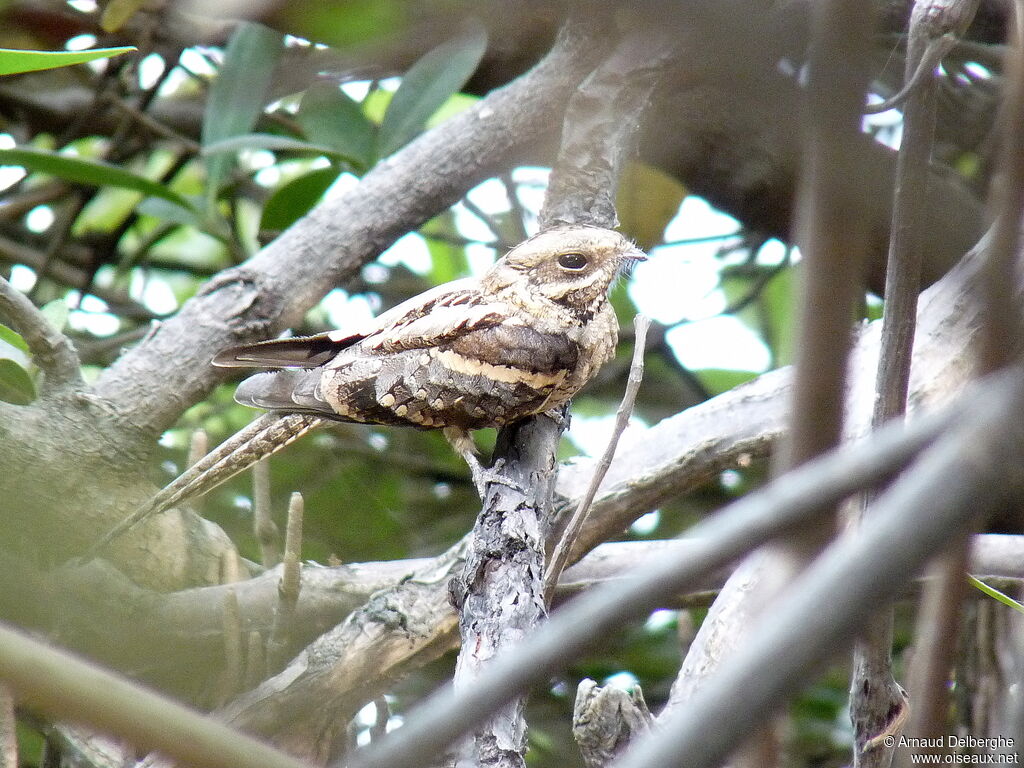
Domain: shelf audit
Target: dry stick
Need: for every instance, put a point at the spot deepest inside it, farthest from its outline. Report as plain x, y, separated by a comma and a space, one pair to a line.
198, 447
288, 588
877, 703
560, 556
64, 687
52, 351
263, 526
234, 666
834, 242
255, 661
789, 501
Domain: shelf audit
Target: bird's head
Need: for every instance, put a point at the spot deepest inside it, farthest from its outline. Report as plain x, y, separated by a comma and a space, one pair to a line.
571, 266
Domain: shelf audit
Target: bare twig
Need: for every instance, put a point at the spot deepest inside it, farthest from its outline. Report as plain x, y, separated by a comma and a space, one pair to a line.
936, 642
263, 525
234, 667
877, 702
52, 351
1002, 330
289, 587
560, 556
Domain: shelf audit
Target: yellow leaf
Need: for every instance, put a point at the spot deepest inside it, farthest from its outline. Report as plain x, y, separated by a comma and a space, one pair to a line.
647, 201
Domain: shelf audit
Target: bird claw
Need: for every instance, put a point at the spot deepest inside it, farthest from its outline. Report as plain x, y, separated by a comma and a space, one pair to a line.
485, 476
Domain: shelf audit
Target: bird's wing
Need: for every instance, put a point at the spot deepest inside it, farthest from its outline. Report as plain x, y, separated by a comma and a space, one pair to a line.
409, 325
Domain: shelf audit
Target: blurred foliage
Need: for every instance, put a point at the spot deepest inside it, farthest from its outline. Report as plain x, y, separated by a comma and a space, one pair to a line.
119, 220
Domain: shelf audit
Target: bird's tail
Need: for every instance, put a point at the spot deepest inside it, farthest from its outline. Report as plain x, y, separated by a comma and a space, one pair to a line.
264, 437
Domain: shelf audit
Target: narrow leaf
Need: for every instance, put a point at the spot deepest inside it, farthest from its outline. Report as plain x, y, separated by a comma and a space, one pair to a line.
426, 86
239, 92
995, 594
14, 62
294, 199
15, 384
13, 338
269, 141
329, 117
90, 172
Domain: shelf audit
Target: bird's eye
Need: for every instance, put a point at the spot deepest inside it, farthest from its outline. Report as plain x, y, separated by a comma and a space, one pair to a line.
573, 261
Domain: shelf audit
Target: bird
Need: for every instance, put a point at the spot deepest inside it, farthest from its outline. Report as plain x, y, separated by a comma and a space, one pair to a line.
521, 339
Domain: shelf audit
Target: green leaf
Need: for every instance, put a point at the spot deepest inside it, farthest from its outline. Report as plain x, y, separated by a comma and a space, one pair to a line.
718, 380
426, 86
15, 384
90, 172
56, 312
13, 61
271, 141
294, 199
13, 338
239, 93
995, 593
329, 117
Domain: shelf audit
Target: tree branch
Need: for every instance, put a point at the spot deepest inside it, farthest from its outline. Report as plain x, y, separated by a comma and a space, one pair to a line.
52, 351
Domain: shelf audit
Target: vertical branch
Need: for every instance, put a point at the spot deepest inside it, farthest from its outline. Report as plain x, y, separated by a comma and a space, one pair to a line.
1001, 344
262, 523
1001, 338
877, 703
501, 592
289, 586
833, 241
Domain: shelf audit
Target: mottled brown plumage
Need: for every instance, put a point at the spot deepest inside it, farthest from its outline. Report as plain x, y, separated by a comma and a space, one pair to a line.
473, 353
470, 354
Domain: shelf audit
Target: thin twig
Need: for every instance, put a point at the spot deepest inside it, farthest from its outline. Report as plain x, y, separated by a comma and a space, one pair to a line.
877, 702
234, 667
936, 642
1001, 336
380, 725
289, 587
255, 661
560, 556
52, 351
198, 447
263, 526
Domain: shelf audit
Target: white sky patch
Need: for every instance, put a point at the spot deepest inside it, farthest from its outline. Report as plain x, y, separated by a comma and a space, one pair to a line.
591, 434
150, 70
645, 524
346, 311
718, 342
83, 6
470, 225
410, 250
624, 681
92, 316
155, 295
39, 219
357, 89
480, 258
80, 43
660, 620
887, 126
673, 286
22, 278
